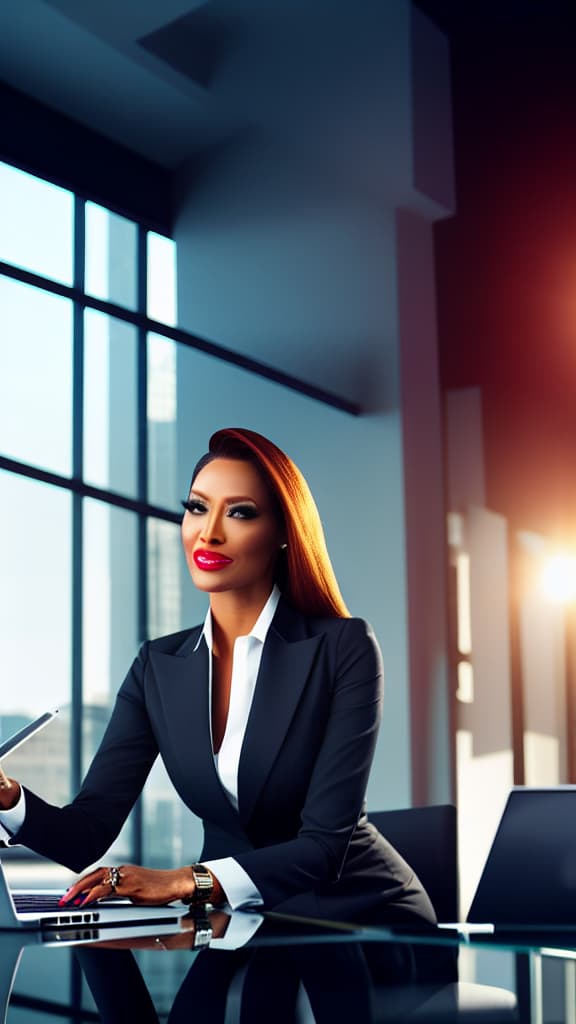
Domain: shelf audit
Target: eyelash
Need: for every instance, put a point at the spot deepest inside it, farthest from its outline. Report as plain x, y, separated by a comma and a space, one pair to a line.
236, 512
193, 506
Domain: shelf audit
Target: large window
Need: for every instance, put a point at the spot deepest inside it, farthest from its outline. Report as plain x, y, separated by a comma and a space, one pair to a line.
90, 562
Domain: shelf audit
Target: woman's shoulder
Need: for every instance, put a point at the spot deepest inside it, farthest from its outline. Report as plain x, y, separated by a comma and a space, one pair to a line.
352, 645
339, 624
340, 628
357, 632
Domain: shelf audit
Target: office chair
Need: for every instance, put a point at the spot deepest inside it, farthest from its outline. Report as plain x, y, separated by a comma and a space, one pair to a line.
427, 838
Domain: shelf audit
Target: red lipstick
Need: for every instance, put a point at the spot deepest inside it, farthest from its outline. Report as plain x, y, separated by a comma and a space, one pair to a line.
211, 560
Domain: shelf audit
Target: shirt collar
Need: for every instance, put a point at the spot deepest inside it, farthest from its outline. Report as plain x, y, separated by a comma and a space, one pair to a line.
260, 628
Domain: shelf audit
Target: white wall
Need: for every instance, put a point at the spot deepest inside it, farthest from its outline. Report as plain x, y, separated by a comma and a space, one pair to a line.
287, 252
483, 709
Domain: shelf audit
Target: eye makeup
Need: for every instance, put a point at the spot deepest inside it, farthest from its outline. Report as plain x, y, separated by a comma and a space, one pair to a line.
242, 512
196, 507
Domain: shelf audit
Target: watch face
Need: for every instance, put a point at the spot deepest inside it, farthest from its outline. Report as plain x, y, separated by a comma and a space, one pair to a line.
202, 877
203, 885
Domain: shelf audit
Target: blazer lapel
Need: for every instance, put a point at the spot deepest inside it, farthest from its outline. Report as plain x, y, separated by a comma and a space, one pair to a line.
184, 726
287, 661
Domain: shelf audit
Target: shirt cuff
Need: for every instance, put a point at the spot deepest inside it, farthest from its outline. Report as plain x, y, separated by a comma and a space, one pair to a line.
11, 821
236, 882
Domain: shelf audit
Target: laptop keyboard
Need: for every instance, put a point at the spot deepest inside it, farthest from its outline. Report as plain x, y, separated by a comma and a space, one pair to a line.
35, 903
28, 902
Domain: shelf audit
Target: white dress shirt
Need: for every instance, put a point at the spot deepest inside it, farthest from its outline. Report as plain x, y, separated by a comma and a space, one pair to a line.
237, 884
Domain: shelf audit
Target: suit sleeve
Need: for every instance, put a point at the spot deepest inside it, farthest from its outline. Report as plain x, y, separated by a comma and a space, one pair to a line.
80, 833
337, 788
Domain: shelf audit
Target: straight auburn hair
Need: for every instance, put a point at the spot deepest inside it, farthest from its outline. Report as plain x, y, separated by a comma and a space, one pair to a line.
304, 571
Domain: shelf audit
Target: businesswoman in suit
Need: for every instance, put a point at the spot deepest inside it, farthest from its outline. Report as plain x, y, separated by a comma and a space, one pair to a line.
266, 717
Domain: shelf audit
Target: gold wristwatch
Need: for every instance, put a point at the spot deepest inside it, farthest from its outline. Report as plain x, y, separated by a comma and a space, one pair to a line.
203, 885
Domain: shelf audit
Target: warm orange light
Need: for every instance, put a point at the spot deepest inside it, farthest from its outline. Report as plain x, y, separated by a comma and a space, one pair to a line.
559, 579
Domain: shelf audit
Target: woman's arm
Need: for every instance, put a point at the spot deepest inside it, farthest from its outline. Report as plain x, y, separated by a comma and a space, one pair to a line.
81, 832
339, 778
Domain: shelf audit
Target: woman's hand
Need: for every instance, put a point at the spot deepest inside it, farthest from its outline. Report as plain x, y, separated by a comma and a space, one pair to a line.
9, 791
143, 886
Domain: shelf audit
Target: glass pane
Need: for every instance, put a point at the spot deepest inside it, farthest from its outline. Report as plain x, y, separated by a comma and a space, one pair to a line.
111, 256
162, 279
164, 578
35, 376
171, 833
35, 618
37, 224
110, 620
110, 403
110, 596
162, 468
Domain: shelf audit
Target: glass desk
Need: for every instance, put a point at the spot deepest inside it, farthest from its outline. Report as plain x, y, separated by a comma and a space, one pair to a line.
285, 971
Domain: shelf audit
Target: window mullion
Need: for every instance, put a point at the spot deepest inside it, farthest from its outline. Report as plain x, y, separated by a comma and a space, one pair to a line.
77, 506
142, 434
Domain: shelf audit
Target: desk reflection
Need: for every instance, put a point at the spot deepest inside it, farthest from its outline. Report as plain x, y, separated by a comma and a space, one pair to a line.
272, 979
299, 973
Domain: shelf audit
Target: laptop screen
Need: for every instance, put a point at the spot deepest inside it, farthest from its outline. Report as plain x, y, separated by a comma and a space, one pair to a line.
18, 738
530, 873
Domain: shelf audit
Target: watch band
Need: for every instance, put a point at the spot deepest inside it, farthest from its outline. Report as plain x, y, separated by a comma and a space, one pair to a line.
203, 885
202, 932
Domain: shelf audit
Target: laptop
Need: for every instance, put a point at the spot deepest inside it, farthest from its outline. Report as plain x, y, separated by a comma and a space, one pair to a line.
38, 908
529, 878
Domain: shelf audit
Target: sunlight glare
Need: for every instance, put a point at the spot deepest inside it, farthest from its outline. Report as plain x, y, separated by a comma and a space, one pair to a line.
559, 578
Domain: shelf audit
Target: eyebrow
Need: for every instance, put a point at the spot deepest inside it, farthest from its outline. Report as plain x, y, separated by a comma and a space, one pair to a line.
232, 499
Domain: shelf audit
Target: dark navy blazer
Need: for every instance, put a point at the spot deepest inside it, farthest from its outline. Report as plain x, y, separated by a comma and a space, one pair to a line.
301, 828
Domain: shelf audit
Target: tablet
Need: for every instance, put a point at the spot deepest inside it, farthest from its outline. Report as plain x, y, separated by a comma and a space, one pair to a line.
20, 737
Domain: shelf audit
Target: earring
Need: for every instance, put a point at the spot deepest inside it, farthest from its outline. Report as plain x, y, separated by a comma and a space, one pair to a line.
283, 547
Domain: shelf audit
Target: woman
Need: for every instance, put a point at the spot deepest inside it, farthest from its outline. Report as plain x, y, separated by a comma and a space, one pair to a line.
266, 718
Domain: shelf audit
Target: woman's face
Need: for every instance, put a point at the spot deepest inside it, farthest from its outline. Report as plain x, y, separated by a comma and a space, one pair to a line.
230, 532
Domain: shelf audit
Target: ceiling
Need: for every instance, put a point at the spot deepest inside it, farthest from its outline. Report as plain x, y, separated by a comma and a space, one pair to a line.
140, 72
167, 78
